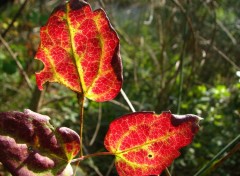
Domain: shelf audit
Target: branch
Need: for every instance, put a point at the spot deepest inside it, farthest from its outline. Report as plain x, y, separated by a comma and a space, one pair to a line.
54, 100
14, 19
220, 24
179, 5
97, 126
110, 168
19, 65
36, 100
224, 56
211, 162
120, 104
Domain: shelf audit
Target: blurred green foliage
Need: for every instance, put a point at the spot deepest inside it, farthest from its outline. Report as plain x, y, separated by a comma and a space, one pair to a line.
181, 56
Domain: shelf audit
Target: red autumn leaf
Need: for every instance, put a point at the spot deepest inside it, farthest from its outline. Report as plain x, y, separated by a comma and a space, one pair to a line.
29, 145
80, 49
145, 143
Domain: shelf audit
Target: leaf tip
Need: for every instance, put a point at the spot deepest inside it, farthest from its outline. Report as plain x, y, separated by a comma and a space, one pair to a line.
179, 119
36, 116
71, 141
188, 116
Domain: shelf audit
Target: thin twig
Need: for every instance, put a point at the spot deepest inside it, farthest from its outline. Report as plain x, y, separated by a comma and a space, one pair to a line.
152, 56
224, 56
54, 100
91, 163
189, 22
92, 155
81, 111
210, 163
120, 104
14, 18
213, 33
110, 168
102, 4
19, 65
127, 100
182, 55
97, 126
151, 15
221, 25
80, 98
230, 153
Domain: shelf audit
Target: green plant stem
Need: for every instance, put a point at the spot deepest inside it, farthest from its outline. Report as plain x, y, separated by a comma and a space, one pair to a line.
181, 58
81, 111
127, 100
180, 85
210, 163
92, 155
224, 158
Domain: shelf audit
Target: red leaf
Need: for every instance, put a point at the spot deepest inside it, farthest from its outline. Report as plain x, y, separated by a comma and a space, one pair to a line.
29, 145
145, 143
80, 49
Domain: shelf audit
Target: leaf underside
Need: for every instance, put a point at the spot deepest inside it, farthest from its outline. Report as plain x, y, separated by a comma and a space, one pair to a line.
145, 143
80, 49
29, 145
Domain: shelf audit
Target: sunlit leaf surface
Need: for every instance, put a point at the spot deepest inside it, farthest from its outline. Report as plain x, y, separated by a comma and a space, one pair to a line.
80, 49
145, 143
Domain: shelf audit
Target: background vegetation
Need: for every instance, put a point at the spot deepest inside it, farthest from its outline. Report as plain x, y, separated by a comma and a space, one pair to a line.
178, 55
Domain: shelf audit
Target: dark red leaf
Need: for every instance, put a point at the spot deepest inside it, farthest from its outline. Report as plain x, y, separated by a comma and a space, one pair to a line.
29, 145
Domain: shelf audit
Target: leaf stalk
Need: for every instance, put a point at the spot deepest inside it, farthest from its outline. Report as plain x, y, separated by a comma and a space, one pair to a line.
81, 111
91, 155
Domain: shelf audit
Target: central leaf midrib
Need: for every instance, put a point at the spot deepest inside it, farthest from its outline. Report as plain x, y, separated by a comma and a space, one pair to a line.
73, 48
131, 163
85, 89
161, 138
